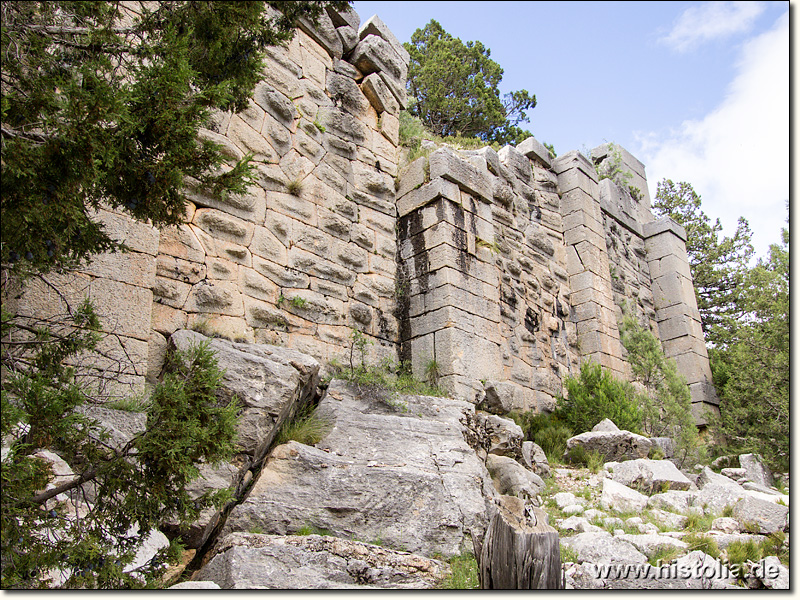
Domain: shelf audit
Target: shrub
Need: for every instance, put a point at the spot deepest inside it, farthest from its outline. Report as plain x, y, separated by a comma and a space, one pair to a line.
703, 543
595, 395
306, 428
666, 407
546, 430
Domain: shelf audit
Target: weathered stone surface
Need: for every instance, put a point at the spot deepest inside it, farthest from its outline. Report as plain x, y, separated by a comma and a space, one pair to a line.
503, 397
446, 163
502, 436
674, 500
605, 425
257, 561
648, 475
760, 516
324, 33
376, 54
649, 544
774, 575
579, 524
726, 525
755, 469
513, 479
195, 585
374, 26
717, 491
613, 445
603, 549
534, 150
564, 499
666, 444
535, 459
269, 382
620, 498
379, 94
406, 476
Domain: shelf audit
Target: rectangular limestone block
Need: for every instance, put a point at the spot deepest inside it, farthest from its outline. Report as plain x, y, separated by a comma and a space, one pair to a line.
181, 242
664, 244
445, 163
138, 236
673, 289
465, 354
215, 297
442, 318
534, 150
680, 326
693, 367
131, 267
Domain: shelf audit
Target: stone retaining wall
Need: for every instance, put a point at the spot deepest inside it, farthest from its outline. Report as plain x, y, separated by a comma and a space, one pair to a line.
500, 271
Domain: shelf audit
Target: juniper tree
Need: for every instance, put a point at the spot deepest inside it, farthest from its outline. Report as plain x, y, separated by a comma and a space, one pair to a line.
454, 87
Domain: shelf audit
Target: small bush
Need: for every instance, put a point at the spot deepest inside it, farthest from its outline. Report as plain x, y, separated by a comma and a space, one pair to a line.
773, 545
305, 428
294, 187
697, 522
595, 395
655, 453
702, 543
463, 573
547, 431
664, 554
312, 530
568, 554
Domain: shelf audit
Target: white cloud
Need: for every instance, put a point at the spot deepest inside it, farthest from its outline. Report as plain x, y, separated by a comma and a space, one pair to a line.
737, 157
709, 21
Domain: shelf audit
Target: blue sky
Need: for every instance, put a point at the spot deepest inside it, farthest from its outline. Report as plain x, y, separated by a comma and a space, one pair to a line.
699, 91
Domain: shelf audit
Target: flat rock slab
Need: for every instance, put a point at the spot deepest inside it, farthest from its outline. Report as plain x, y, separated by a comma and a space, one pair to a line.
649, 475
760, 516
620, 498
244, 561
612, 445
396, 469
602, 549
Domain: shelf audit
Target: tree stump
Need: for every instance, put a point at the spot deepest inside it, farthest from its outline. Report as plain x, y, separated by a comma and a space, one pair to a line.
520, 550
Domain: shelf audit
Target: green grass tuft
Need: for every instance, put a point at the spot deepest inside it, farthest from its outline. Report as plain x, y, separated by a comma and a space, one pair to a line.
464, 574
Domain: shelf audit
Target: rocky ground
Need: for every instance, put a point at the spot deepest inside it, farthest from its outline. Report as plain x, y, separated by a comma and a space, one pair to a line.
400, 486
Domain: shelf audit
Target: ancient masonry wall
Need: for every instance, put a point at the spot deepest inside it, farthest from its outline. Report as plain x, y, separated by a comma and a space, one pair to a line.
499, 272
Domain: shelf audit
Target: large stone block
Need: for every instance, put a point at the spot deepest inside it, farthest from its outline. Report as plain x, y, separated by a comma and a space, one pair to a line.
421, 196
516, 163
445, 163
374, 26
324, 33
379, 94
534, 150
373, 54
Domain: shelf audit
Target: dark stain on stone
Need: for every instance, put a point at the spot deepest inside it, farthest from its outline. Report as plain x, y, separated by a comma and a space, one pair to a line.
531, 320
507, 296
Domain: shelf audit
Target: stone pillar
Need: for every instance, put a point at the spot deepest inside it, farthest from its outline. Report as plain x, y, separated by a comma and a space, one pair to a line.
588, 263
452, 291
676, 311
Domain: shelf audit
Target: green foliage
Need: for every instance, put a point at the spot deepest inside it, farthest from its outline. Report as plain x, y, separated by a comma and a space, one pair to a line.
313, 530
463, 573
613, 168
140, 484
432, 373
592, 459
703, 543
568, 554
306, 428
663, 555
775, 545
655, 453
754, 364
100, 111
545, 430
294, 187
595, 395
666, 405
454, 89
699, 522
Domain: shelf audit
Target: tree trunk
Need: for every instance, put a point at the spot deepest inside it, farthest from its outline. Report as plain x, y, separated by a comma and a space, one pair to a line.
520, 550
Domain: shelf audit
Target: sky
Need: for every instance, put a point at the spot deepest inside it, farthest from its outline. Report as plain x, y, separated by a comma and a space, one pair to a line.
698, 91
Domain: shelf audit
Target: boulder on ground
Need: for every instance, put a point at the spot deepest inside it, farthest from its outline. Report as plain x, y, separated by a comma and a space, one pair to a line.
773, 574
651, 543
391, 468
255, 561
601, 548
512, 479
612, 445
677, 501
716, 491
760, 516
620, 498
605, 425
755, 469
502, 436
648, 475
535, 459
